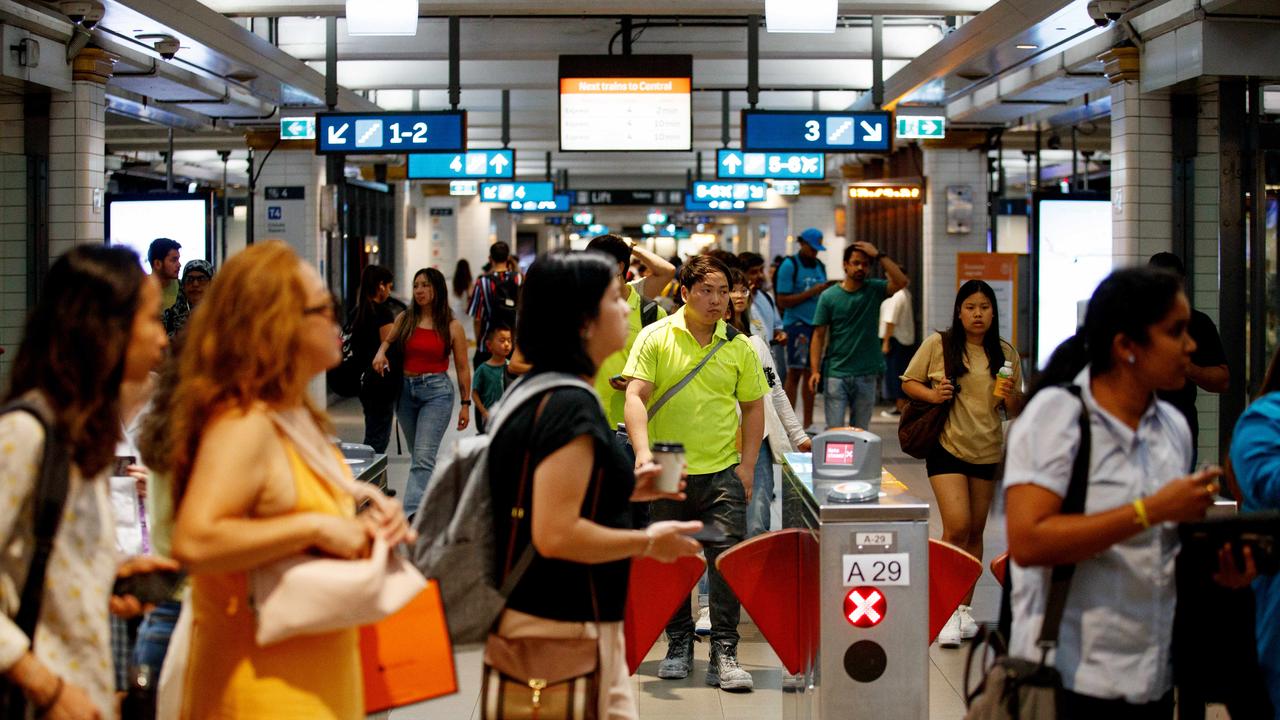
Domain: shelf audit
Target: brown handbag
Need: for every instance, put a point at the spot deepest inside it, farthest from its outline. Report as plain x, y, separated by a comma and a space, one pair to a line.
921, 424
540, 679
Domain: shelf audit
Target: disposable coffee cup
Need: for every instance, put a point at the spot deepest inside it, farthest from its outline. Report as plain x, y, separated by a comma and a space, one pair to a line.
671, 457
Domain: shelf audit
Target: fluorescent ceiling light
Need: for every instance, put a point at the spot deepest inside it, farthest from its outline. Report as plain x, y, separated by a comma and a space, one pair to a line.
382, 17
800, 16
1026, 46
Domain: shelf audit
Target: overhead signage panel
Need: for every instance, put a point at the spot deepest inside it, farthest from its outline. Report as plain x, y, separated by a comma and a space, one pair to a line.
507, 192
559, 203
297, 128
922, 127
391, 132
691, 205
629, 197
626, 102
706, 191
736, 165
470, 164
801, 131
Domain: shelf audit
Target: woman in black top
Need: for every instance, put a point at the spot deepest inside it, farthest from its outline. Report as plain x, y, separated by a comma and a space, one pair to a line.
572, 317
372, 324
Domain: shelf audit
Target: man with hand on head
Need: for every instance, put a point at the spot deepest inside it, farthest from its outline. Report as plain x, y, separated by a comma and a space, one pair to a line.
689, 377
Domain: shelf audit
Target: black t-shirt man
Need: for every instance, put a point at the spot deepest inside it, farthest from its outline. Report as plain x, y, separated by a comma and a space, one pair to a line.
560, 589
1208, 353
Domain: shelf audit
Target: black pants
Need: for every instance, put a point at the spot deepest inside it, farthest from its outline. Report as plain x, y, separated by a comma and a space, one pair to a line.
1084, 707
716, 498
379, 407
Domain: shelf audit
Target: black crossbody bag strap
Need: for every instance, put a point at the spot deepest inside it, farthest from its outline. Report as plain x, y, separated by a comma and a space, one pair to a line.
50, 496
1072, 504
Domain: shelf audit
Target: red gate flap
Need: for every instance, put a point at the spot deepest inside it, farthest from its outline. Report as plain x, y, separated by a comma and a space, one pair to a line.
952, 574
654, 592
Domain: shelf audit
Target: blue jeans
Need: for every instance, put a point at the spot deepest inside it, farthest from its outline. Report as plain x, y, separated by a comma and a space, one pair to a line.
760, 506
839, 395
425, 410
154, 634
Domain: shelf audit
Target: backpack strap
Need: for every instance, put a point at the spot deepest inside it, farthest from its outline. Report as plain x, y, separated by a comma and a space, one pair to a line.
50, 496
648, 312
1073, 504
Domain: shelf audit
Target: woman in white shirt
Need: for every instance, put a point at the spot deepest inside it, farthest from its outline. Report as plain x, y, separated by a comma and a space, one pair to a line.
782, 430
1114, 645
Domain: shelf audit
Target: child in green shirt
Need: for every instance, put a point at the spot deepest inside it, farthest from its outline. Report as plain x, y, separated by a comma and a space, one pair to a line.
490, 378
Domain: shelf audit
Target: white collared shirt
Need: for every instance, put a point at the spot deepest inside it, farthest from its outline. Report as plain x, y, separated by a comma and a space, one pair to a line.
1117, 629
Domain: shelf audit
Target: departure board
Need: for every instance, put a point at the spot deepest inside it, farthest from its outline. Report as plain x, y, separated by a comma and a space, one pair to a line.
626, 102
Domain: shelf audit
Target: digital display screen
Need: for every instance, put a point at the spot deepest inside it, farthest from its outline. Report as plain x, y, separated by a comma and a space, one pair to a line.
626, 102
839, 453
134, 221
1073, 256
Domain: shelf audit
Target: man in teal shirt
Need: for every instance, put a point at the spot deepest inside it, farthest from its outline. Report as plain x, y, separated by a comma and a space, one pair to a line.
846, 328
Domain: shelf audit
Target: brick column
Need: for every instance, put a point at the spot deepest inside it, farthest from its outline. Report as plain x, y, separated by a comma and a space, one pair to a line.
1141, 163
77, 143
944, 167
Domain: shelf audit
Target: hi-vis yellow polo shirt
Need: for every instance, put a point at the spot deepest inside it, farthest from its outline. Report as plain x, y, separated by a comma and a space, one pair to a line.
615, 400
704, 415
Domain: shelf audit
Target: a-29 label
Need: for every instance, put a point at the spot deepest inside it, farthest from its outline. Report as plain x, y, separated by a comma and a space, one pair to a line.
877, 569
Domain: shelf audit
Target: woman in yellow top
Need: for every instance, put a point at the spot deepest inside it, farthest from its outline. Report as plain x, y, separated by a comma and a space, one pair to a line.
962, 364
250, 454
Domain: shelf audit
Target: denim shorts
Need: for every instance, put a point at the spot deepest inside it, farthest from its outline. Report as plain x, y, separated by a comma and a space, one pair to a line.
799, 336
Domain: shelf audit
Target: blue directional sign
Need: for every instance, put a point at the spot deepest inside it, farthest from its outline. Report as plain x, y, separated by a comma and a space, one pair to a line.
508, 192
559, 204
369, 133
691, 205
800, 131
736, 164
470, 164
729, 192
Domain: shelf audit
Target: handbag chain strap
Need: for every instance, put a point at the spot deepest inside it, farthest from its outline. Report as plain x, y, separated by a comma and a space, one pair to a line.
1072, 504
511, 575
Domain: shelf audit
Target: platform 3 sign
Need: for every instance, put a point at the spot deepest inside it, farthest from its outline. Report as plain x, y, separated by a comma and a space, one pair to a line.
801, 131
391, 132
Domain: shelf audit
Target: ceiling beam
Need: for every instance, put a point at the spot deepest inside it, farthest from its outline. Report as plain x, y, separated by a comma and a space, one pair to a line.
639, 8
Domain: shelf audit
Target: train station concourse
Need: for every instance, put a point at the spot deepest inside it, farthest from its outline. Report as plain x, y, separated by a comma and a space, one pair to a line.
1033, 146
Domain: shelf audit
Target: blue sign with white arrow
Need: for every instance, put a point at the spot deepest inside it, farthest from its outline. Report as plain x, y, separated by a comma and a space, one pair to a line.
470, 164
726, 195
736, 164
801, 131
691, 205
507, 192
560, 204
407, 132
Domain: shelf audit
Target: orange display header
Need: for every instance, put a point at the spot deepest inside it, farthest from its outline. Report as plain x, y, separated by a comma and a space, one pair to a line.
624, 86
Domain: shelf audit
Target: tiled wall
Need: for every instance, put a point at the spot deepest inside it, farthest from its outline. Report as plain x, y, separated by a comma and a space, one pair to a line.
76, 173
937, 289
13, 231
1205, 264
1141, 174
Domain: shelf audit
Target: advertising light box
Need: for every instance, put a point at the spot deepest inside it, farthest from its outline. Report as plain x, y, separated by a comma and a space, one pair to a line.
135, 220
626, 102
1073, 254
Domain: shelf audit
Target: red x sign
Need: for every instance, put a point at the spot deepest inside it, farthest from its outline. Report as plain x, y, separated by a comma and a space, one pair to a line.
865, 607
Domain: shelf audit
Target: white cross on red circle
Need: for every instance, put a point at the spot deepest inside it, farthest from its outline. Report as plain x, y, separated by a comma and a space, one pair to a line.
865, 606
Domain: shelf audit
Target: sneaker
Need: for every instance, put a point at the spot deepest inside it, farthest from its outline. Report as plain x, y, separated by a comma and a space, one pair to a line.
679, 660
950, 635
968, 626
725, 672
703, 626
890, 414
795, 683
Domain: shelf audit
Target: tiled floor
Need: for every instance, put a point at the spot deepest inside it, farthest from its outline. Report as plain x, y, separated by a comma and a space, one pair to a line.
678, 700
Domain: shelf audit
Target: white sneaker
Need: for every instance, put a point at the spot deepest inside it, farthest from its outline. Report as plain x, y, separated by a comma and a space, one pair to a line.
950, 635
968, 626
703, 626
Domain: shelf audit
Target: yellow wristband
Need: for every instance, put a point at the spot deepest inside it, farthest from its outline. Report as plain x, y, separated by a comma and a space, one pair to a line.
1140, 508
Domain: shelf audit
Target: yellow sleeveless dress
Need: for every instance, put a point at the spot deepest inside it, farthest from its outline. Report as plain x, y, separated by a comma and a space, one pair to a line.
315, 677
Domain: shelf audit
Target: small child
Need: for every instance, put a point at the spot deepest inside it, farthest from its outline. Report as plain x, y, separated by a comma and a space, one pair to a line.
490, 379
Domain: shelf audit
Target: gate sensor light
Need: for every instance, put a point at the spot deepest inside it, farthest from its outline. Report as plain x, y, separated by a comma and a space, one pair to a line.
382, 17
800, 16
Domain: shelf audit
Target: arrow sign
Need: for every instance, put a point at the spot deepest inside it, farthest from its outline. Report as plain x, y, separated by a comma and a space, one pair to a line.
872, 133
731, 163
336, 134
530, 193
297, 128
499, 163
391, 132
735, 164
922, 127
496, 163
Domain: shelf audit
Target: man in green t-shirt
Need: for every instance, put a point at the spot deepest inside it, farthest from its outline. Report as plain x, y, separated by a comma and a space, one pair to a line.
703, 417
846, 328
165, 259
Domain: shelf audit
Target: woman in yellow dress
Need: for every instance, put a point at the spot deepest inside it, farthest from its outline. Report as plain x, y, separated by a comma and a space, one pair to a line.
251, 456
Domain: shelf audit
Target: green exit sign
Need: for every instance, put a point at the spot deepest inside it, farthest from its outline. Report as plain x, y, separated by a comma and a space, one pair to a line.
297, 128
921, 127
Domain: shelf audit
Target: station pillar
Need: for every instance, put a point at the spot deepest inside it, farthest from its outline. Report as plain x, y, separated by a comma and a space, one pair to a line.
944, 168
77, 145
13, 229
816, 208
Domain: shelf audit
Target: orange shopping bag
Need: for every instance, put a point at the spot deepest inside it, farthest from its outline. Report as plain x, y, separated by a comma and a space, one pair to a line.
407, 658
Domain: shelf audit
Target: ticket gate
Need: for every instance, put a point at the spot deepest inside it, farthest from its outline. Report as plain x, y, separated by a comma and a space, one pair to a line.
873, 565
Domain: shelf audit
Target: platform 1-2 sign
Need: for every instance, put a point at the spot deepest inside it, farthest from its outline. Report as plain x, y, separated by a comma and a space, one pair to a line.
803, 131
391, 132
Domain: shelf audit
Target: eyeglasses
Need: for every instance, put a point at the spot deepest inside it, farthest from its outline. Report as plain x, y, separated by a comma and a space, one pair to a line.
739, 292
331, 310
196, 279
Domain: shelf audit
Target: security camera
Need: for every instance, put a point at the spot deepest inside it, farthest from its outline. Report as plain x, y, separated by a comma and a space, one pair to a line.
168, 48
1105, 12
85, 13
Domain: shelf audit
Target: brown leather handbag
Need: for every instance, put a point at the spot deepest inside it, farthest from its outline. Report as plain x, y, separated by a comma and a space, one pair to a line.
540, 679
921, 424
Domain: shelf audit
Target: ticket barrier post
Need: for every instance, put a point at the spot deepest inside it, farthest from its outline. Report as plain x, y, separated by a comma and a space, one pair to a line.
872, 655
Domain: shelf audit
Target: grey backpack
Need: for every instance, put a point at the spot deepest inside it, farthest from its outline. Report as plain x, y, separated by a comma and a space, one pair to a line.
456, 535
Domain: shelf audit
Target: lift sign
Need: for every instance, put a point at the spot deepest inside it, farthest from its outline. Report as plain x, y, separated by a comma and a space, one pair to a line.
881, 569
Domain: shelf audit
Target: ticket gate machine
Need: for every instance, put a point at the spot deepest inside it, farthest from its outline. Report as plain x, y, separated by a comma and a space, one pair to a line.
873, 552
